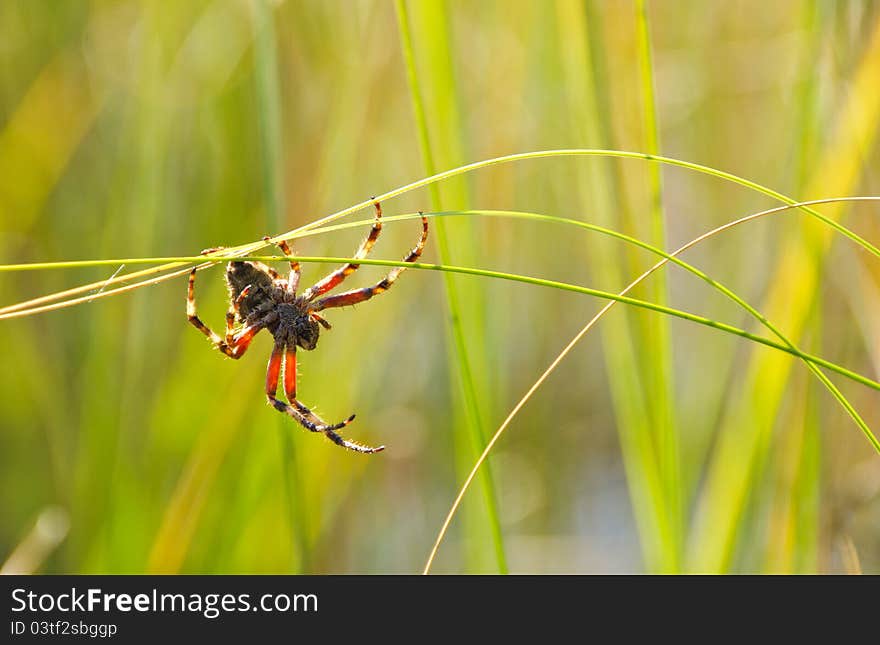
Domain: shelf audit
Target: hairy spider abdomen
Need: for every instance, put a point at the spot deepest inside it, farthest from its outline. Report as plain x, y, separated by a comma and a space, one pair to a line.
244, 274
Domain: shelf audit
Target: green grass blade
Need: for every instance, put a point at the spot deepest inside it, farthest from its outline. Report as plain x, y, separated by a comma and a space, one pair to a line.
606, 295
174, 270
787, 346
793, 523
745, 436
428, 27
632, 379
657, 339
562, 355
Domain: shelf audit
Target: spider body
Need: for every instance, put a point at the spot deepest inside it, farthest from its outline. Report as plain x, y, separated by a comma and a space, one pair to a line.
261, 299
286, 315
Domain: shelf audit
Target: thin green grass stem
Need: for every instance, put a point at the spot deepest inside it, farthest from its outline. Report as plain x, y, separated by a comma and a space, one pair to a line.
175, 269
657, 338
462, 354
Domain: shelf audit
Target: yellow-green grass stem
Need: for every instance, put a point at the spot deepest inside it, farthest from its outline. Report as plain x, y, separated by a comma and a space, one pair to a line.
702, 320
245, 249
570, 346
465, 334
467, 270
657, 337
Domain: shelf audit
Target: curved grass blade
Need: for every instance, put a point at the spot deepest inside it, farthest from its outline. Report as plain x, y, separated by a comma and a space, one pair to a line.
567, 349
745, 436
175, 269
466, 320
656, 334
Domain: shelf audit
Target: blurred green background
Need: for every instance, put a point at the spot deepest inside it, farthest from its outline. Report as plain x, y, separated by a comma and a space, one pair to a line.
139, 128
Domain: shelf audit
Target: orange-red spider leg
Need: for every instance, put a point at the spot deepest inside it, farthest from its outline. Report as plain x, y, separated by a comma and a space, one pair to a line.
355, 296
290, 373
297, 410
233, 346
333, 279
232, 313
293, 278
320, 320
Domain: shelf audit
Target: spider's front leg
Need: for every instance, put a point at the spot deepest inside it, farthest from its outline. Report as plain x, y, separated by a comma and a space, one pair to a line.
355, 296
320, 320
334, 279
235, 345
232, 314
293, 278
297, 410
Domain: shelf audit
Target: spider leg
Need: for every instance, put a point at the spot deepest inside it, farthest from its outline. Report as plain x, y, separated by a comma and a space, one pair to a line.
293, 279
333, 279
290, 388
272, 272
306, 418
235, 345
320, 320
360, 295
232, 313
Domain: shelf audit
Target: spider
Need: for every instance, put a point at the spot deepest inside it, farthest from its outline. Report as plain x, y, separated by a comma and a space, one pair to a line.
259, 298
